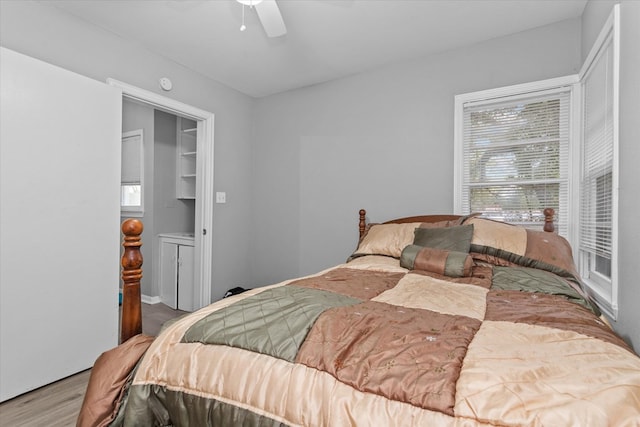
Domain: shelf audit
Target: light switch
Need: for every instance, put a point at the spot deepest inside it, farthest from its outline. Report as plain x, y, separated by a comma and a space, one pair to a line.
221, 197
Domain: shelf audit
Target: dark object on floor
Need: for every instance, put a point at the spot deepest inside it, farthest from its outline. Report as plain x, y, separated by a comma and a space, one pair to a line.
234, 291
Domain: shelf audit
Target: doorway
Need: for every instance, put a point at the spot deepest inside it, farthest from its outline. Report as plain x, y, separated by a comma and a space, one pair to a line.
203, 224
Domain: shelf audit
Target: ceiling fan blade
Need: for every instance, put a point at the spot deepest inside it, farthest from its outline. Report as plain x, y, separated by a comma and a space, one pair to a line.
271, 19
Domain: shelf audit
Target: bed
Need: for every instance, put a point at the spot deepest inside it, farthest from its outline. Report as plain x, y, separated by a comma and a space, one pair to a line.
439, 320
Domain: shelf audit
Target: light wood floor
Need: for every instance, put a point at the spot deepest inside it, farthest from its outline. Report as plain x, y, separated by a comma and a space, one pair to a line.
58, 404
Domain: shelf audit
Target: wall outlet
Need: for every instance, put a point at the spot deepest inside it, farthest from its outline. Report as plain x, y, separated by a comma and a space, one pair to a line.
221, 197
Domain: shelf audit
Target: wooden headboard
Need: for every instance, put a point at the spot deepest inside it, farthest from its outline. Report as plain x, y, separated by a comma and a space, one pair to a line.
131, 320
362, 224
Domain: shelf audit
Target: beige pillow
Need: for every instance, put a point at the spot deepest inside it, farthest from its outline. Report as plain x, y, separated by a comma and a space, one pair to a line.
499, 235
387, 239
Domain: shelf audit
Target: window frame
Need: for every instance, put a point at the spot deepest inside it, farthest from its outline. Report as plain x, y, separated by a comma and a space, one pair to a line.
567, 83
597, 284
134, 211
603, 289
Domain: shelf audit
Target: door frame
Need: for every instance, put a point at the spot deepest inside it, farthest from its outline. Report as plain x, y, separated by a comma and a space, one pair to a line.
204, 180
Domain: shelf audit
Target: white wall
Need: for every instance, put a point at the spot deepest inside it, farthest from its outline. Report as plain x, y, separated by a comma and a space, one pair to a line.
40, 30
594, 17
381, 140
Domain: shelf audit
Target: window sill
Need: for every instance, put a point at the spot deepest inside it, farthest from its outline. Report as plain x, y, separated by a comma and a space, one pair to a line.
602, 300
132, 214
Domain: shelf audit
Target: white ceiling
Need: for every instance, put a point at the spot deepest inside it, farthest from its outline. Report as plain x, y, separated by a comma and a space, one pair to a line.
327, 39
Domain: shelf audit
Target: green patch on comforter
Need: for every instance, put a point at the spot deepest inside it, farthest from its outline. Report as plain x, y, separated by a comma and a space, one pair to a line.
273, 322
160, 406
533, 280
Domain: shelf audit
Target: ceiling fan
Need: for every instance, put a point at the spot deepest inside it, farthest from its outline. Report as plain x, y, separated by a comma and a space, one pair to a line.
269, 15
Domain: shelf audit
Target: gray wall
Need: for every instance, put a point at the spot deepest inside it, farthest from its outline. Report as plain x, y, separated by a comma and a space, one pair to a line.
40, 30
170, 214
381, 140
163, 213
313, 157
594, 17
137, 116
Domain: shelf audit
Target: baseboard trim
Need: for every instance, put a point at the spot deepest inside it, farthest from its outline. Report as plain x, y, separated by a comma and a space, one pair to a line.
150, 300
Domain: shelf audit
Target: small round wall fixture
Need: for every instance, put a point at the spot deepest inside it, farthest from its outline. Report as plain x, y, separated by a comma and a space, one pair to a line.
165, 84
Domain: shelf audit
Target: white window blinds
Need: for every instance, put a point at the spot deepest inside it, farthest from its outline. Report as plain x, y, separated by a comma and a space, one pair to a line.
597, 255
132, 173
596, 197
132, 158
515, 154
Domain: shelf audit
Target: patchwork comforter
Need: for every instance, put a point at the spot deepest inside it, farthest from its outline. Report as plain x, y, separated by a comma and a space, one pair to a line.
371, 343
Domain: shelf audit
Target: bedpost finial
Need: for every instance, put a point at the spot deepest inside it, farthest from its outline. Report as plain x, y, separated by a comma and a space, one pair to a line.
132, 227
548, 219
363, 222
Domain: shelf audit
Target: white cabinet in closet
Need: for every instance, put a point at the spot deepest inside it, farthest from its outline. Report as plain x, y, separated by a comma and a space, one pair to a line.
187, 156
176, 270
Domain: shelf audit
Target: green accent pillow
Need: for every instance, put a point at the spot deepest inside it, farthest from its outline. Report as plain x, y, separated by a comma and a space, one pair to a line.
457, 238
444, 262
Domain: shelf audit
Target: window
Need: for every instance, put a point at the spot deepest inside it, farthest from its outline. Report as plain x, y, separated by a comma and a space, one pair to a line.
131, 188
512, 153
553, 144
598, 178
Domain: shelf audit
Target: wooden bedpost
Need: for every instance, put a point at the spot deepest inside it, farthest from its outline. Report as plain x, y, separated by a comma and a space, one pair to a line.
363, 222
131, 322
548, 220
